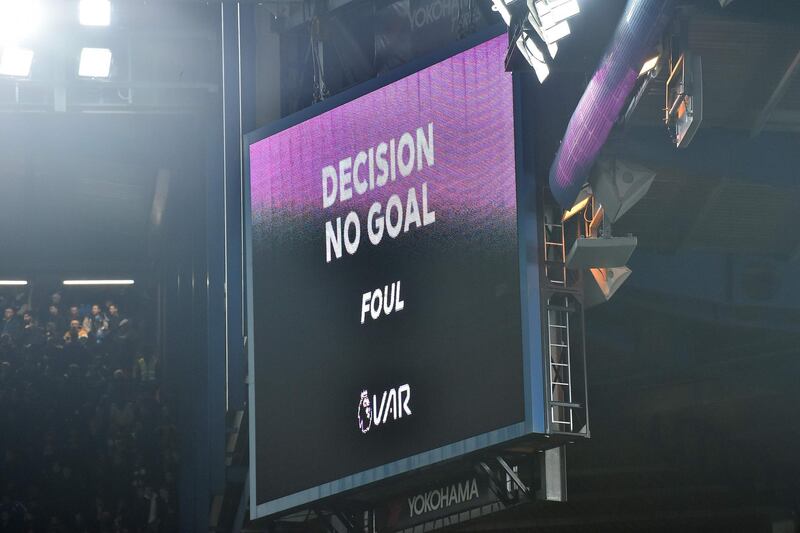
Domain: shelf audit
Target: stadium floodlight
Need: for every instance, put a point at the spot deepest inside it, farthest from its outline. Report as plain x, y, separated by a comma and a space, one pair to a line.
537, 25
98, 282
16, 62
649, 65
525, 44
556, 33
533, 56
549, 34
13, 282
553, 12
19, 19
95, 12
546, 6
95, 63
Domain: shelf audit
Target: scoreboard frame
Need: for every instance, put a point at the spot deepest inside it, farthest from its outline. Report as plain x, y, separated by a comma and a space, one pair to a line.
529, 243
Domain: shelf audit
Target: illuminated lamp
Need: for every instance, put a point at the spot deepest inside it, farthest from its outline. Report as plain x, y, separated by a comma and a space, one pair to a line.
95, 12
556, 33
95, 63
98, 282
525, 44
533, 56
16, 62
536, 30
555, 11
19, 20
13, 282
583, 199
649, 65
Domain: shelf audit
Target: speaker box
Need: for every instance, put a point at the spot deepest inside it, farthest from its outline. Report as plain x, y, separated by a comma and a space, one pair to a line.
601, 283
618, 184
601, 252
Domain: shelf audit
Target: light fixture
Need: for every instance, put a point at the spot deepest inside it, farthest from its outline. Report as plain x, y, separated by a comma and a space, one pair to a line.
533, 56
95, 63
584, 197
556, 33
13, 282
537, 26
554, 12
98, 282
95, 12
684, 98
649, 65
19, 20
16, 62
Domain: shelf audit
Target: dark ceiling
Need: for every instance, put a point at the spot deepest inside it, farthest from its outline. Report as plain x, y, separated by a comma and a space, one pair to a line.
746, 50
734, 189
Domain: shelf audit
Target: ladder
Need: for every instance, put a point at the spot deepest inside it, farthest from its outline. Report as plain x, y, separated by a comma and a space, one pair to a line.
558, 344
555, 253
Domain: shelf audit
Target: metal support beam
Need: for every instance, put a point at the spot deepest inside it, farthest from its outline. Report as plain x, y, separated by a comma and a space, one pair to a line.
776, 96
238, 36
504, 482
514, 477
553, 463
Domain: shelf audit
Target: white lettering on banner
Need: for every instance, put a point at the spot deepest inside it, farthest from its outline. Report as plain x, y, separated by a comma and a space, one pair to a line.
333, 239
382, 301
352, 239
329, 193
360, 185
438, 499
400, 217
394, 403
383, 166
412, 152
406, 163
345, 192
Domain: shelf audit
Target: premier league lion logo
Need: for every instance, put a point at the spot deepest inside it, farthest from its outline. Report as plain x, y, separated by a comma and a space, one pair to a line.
364, 412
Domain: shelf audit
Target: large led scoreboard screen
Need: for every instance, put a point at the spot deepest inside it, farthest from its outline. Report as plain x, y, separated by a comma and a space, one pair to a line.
385, 310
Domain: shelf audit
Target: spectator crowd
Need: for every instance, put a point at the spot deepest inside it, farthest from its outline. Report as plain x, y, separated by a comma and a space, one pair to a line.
86, 442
